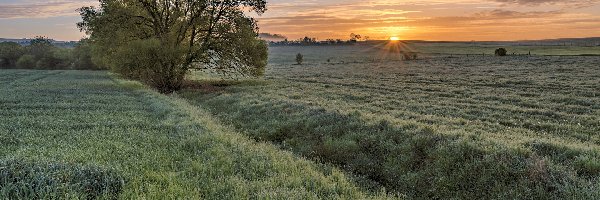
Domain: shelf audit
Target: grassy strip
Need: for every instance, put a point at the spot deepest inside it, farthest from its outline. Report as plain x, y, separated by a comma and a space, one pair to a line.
163, 147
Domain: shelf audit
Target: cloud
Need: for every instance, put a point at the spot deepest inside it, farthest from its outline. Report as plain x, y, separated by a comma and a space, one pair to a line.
418, 19
500, 14
42, 9
569, 3
490, 24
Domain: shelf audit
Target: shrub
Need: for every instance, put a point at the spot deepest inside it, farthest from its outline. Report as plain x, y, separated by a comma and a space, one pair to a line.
409, 56
9, 54
41, 47
48, 63
299, 58
82, 56
501, 52
26, 62
152, 63
63, 58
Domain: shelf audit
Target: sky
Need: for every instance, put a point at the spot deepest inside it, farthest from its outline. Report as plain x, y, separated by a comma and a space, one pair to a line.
450, 20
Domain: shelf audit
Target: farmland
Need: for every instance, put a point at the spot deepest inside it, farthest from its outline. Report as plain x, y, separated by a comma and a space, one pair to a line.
442, 126
351, 122
88, 135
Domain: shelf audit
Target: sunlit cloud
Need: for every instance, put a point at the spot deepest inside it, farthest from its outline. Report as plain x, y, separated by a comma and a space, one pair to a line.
379, 19
42, 9
434, 20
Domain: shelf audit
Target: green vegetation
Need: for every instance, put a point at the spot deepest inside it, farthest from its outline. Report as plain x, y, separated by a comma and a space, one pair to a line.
500, 52
299, 59
83, 134
157, 42
10, 53
25, 180
467, 127
41, 54
477, 127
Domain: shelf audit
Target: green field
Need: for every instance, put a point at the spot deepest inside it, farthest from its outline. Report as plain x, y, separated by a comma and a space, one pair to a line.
439, 127
352, 122
477, 48
87, 135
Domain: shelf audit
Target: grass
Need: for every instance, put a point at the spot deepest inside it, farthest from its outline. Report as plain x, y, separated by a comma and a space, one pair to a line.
368, 53
476, 127
477, 49
85, 134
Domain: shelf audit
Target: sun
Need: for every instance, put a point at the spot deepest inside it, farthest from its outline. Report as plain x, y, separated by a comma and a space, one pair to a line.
394, 38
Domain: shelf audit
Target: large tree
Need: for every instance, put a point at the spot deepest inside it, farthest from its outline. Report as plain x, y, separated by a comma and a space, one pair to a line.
158, 41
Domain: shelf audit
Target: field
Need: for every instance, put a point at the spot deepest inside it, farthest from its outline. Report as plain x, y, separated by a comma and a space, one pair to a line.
351, 122
488, 48
87, 135
443, 126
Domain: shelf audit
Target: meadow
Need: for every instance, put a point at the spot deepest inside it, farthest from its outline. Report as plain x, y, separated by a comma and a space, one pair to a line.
90, 135
448, 125
351, 122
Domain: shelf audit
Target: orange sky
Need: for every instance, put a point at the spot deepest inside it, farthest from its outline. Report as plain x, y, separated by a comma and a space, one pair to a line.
434, 19
380, 19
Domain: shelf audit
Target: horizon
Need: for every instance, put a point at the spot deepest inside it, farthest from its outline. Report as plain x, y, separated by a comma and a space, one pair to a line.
427, 20
373, 40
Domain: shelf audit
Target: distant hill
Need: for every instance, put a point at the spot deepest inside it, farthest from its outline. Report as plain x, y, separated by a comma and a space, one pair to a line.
26, 42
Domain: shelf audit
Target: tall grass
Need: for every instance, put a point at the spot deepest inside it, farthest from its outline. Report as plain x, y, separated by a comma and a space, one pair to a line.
69, 134
467, 127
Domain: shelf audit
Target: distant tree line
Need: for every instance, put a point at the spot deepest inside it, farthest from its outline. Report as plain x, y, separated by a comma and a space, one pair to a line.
42, 54
311, 41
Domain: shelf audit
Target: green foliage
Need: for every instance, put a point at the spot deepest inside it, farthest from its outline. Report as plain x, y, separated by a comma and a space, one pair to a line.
145, 60
29, 180
42, 54
41, 48
211, 36
82, 56
63, 58
161, 146
10, 53
26, 62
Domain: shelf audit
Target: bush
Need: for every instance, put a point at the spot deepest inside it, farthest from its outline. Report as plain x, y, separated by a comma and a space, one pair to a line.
409, 56
47, 63
299, 58
26, 62
152, 63
63, 58
501, 52
82, 56
41, 47
10, 53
